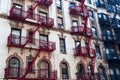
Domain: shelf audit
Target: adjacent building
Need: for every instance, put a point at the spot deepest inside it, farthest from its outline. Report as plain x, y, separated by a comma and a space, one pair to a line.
60, 39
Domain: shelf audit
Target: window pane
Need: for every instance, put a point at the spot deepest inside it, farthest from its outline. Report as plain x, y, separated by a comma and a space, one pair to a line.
60, 22
74, 23
62, 45
59, 4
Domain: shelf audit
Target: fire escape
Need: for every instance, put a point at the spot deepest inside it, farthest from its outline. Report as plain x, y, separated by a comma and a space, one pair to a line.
84, 30
22, 42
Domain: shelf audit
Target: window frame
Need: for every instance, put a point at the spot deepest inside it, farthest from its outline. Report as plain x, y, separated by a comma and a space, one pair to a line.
94, 33
60, 5
98, 51
60, 25
62, 45
65, 71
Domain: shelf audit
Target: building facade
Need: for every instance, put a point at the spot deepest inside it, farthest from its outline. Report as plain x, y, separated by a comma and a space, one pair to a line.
60, 39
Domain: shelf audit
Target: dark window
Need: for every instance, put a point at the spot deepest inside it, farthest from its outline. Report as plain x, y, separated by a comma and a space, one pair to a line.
65, 71
59, 4
72, 5
98, 52
91, 14
31, 36
16, 36
44, 70
77, 43
62, 45
110, 48
89, 1
94, 32
31, 12
102, 73
102, 1
75, 23
60, 22
14, 67
29, 63
80, 68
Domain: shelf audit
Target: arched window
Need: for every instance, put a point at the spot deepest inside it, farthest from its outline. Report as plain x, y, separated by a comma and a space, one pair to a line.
102, 73
64, 69
44, 69
14, 67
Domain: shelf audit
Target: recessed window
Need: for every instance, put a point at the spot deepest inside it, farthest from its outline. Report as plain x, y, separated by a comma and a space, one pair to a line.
31, 36
104, 17
74, 23
59, 4
43, 41
44, 71
14, 67
62, 45
89, 1
29, 63
16, 36
64, 71
60, 22
91, 14
102, 73
94, 32
77, 43
98, 52
72, 5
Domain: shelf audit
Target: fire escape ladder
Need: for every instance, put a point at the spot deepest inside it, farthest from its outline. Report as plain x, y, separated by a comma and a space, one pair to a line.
32, 9
27, 71
32, 34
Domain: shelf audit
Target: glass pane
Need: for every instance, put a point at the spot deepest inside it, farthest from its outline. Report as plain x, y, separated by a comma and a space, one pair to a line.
16, 32
74, 23
43, 37
14, 62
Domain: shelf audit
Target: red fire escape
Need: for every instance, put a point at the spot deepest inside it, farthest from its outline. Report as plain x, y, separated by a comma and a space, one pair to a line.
81, 51
21, 42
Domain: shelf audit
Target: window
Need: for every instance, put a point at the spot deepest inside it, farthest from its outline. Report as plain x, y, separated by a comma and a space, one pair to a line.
60, 22
77, 43
104, 16
65, 71
62, 45
43, 41
100, 15
80, 68
91, 14
16, 34
94, 32
59, 4
44, 69
102, 1
29, 62
80, 72
14, 67
102, 73
89, 1
98, 53
72, 5
44, 16
31, 36
18, 12
75, 23
31, 10
109, 34
110, 48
